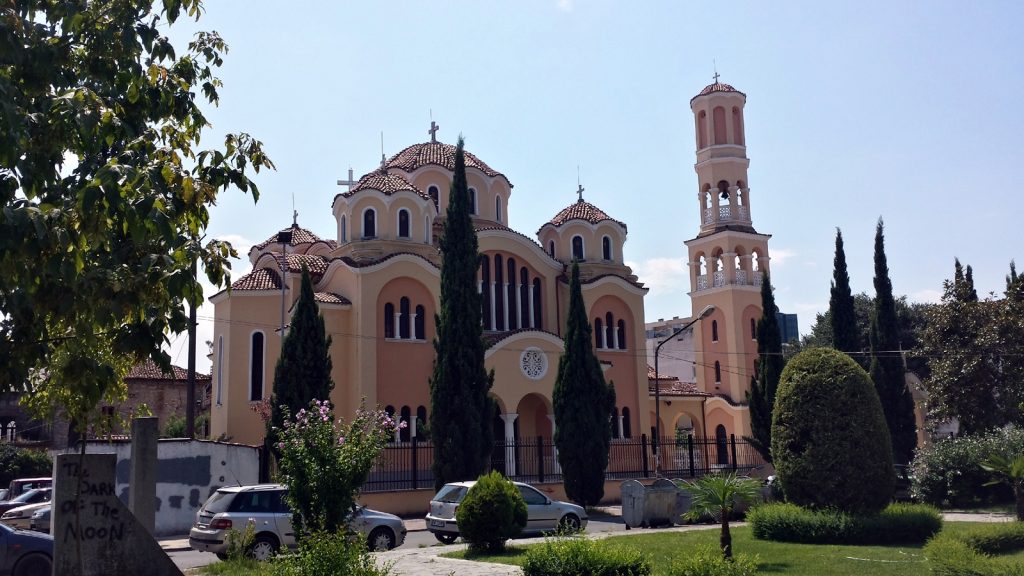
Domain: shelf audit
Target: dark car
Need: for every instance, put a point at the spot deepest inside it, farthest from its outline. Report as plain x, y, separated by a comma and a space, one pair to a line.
24, 553
34, 496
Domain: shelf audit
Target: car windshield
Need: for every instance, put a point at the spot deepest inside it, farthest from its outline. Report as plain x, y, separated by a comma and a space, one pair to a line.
218, 502
451, 494
33, 495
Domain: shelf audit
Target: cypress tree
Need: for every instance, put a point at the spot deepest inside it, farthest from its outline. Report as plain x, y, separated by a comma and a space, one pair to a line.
843, 318
461, 408
303, 371
887, 363
583, 405
768, 369
972, 294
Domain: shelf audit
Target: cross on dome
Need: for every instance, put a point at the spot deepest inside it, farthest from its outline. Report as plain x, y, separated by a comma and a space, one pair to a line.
433, 131
579, 191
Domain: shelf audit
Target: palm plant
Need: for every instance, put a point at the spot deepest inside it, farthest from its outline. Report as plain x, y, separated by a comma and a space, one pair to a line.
717, 495
1008, 471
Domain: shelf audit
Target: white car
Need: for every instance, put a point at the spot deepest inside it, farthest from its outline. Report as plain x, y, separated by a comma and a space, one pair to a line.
543, 513
232, 508
20, 518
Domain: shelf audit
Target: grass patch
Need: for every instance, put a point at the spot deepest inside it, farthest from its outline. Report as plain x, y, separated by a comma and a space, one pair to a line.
776, 558
242, 567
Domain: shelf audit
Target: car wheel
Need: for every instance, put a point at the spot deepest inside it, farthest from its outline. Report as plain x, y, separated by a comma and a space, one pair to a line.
380, 539
446, 537
263, 548
32, 565
222, 555
569, 523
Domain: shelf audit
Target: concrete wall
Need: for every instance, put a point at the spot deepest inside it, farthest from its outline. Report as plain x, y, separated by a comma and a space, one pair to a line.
188, 472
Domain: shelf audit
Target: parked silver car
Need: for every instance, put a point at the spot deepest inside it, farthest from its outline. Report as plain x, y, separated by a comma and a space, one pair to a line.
20, 518
543, 513
232, 507
40, 520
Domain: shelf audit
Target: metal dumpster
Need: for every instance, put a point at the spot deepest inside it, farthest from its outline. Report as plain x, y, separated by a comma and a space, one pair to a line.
647, 506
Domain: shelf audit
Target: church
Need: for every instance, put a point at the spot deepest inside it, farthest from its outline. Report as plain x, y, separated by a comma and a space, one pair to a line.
376, 278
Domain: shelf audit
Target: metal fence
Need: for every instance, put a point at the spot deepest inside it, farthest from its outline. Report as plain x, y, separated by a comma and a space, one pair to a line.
408, 465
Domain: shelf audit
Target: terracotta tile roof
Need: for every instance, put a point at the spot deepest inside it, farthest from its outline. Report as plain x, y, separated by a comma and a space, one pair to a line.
148, 370
385, 182
439, 154
716, 87
299, 236
582, 210
352, 263
317, 265
262, 279
671, 386
330, 298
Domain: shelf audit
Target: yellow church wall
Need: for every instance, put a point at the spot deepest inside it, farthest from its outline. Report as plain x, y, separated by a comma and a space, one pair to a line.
403, 376
516, 391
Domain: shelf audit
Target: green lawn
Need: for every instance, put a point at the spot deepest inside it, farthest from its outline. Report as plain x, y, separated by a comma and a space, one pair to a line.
774, 557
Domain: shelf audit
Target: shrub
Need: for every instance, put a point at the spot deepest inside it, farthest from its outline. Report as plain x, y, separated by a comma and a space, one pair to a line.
897, 524
492, 512
22, 463
577, 556
830, 442
327, 553
949, 472
966, 553
706, 561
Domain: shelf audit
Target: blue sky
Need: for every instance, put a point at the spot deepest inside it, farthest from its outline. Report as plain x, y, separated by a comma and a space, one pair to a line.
906, 110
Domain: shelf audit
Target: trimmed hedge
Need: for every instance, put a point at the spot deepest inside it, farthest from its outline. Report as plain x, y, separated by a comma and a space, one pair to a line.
578, 556
830, 442
492, 512
708, 561
968, 553
897, 524
949, 472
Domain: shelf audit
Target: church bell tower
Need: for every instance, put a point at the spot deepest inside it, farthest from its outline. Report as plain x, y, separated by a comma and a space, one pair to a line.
728, 258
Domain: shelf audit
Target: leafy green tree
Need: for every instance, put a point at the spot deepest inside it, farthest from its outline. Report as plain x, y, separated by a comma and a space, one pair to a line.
461, 408
843, 318
887, 371
22, 463
962, 342
303, 371
1009, 471
830, 445
717, 495
583, 405
770, 363
105, 192
1010, 331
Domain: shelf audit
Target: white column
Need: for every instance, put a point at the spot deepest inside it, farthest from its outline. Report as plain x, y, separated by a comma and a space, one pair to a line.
555, 467
504, 305
531, 307
510, 438
615, 336
494, 326
412, 326
519, 306
620, 421
398, 432
398, 325
412, 426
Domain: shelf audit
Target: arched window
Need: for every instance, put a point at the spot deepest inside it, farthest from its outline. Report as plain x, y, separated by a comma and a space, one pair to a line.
598, 333
390, 411
606, 248
370, 223
718, 372
497, 208
256, 351
403, 223
615, 422
485, 288
621, 329
721, 445
524, 297
609, 330
499, 293
472, 200
718, 117
420, 323
737, 126
702, 130
577, 248
433, 192
421, 422
389, 320
404, 433
551, 248
344, 229
626, 431
714, 330
403, 319
753, 329
513, 309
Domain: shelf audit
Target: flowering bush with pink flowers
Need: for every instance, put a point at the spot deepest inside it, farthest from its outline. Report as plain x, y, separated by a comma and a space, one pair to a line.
324, 462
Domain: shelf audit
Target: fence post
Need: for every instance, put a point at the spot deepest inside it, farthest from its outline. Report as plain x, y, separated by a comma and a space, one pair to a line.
732, 440
540, 458
415, 466
643, 453
689, 449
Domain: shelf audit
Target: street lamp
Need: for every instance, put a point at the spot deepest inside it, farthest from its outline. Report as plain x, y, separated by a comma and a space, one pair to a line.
657, 386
